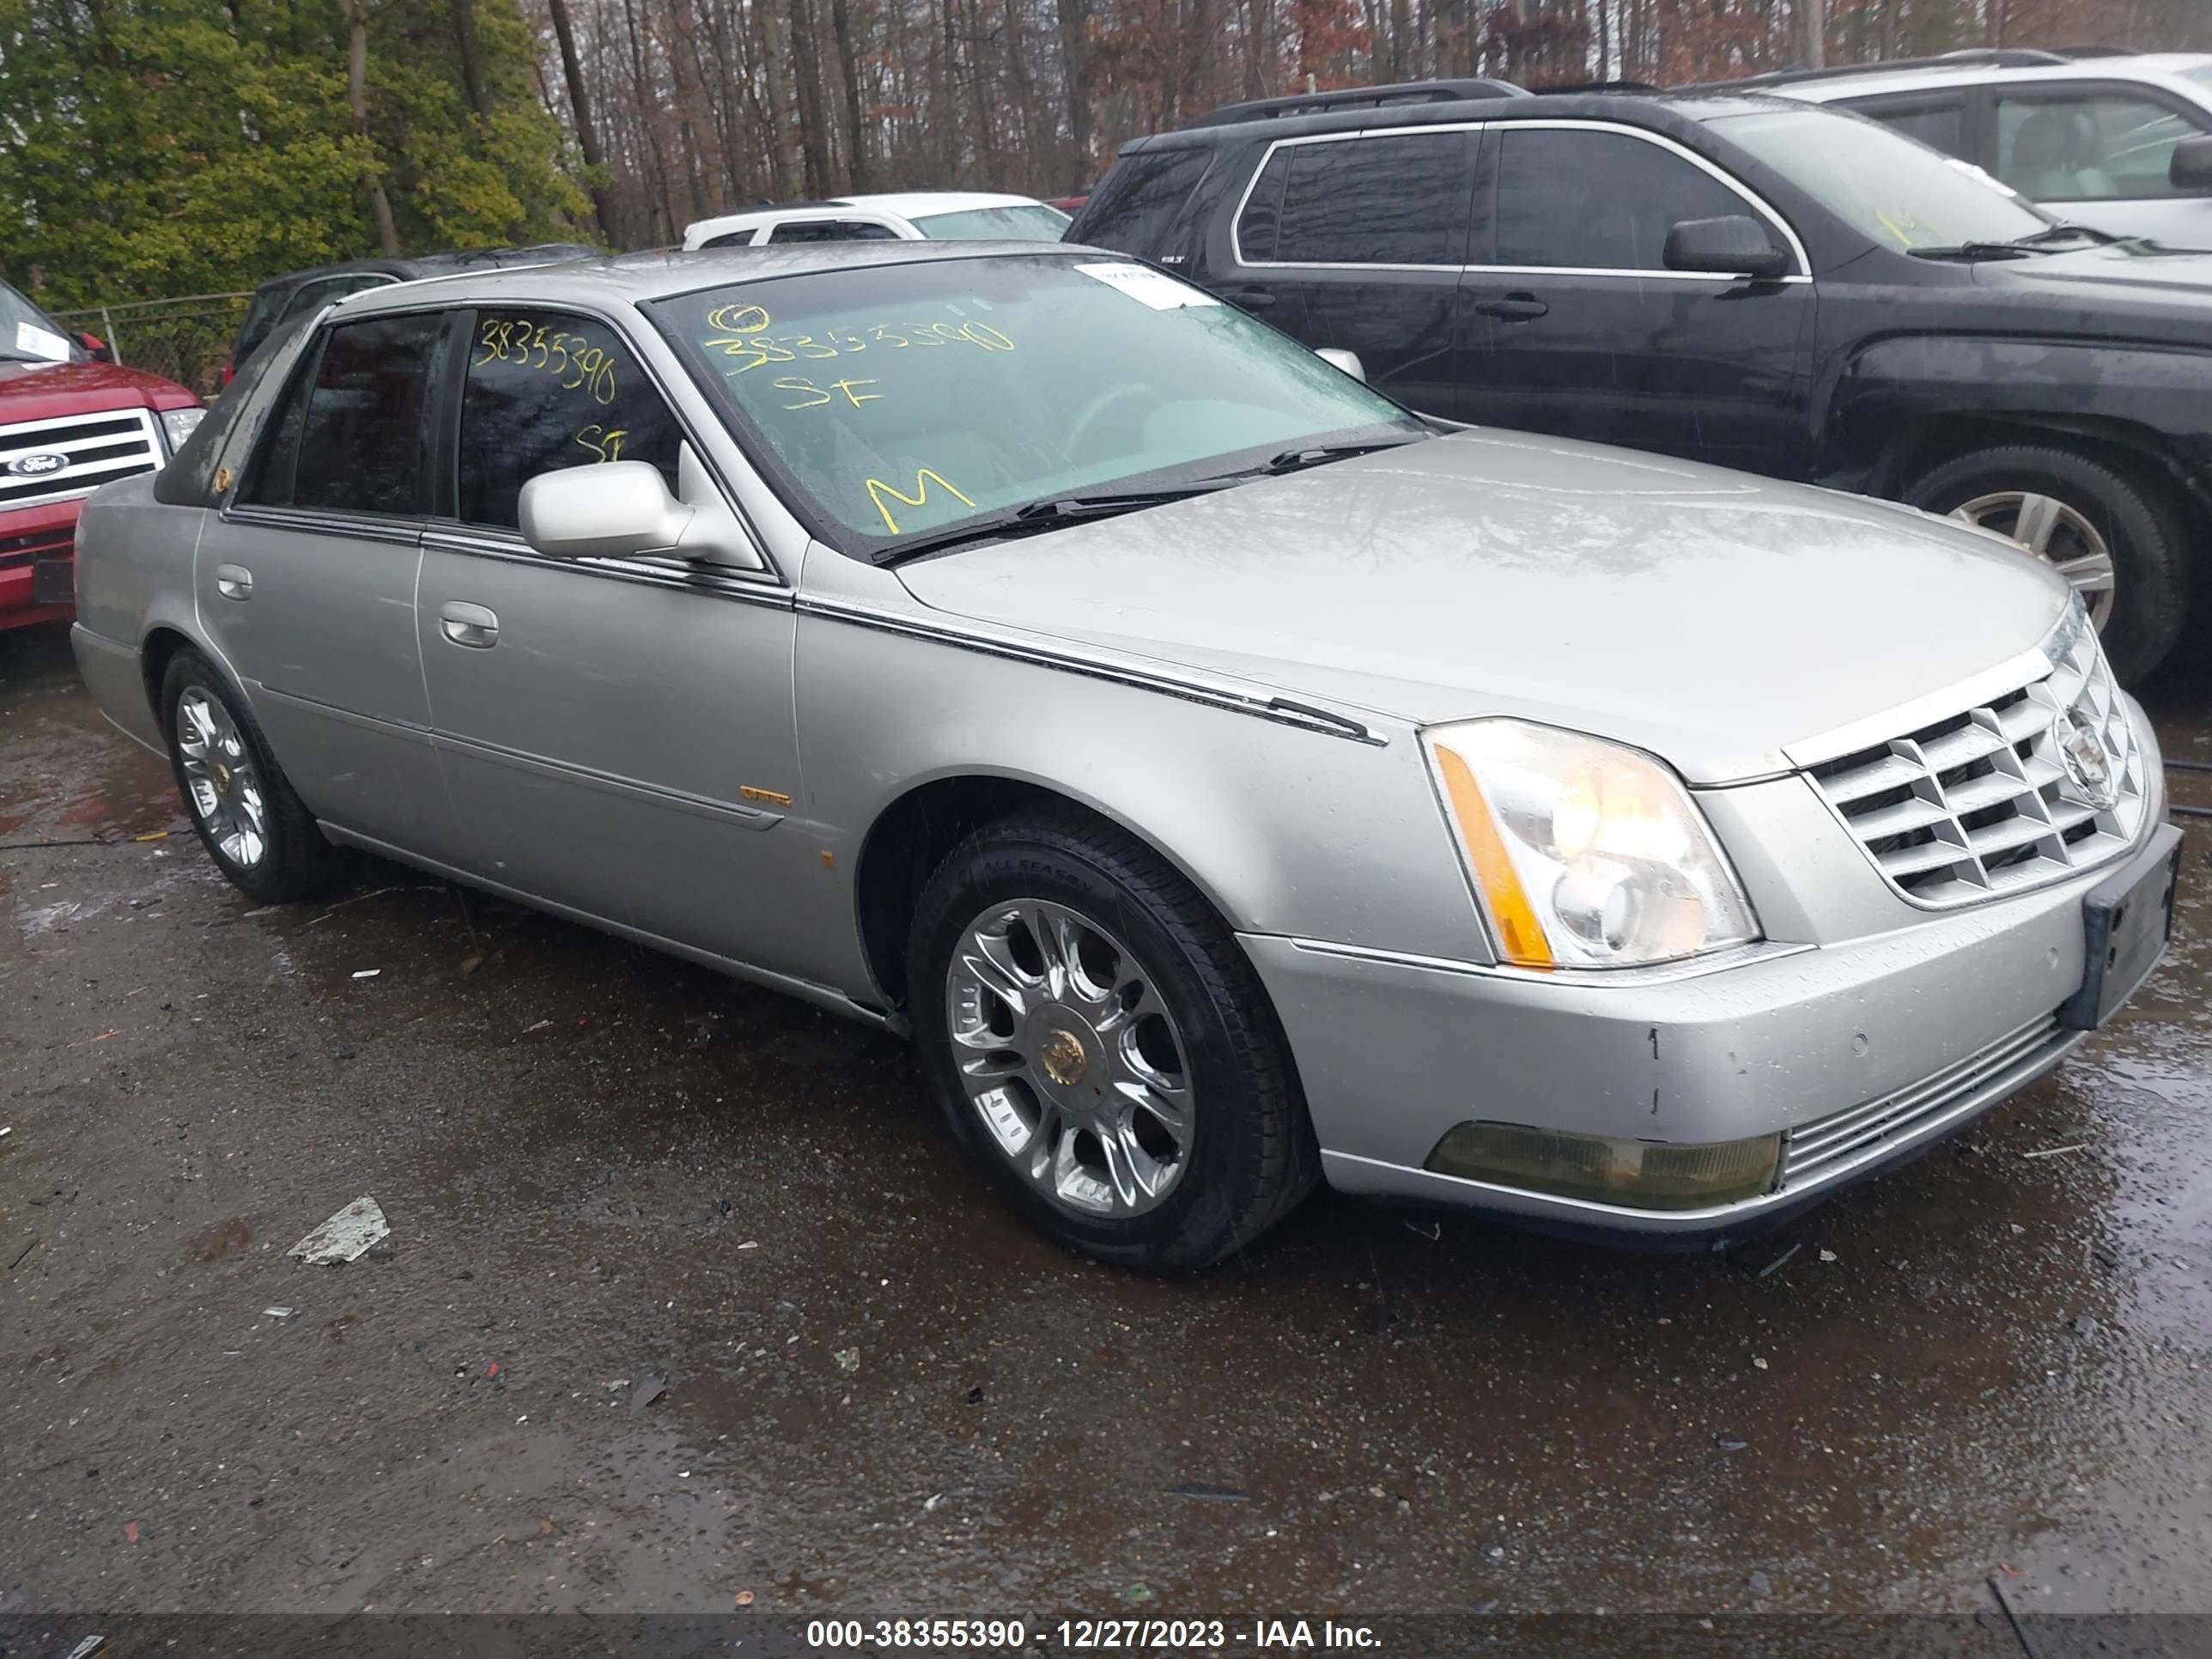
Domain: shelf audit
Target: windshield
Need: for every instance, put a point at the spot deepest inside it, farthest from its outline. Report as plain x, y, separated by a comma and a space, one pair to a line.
28, 335
1894, 189
1034, 223
2200, 73
901, 398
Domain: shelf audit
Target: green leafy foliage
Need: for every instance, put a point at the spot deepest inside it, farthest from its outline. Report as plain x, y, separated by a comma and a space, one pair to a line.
151, 148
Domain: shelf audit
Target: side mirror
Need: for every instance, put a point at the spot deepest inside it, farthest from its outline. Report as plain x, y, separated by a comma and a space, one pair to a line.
2190, 167
622, 510
1337, 357
97, 346
1734, 246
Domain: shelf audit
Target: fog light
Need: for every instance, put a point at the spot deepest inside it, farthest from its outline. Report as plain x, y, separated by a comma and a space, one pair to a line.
1641, 1174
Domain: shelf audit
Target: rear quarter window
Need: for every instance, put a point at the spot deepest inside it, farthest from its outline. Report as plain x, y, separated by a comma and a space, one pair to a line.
1136, 207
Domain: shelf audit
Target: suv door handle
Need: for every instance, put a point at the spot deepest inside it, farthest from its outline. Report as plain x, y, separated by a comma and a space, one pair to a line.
1514, 308
1250, 299
471, 625
234, 582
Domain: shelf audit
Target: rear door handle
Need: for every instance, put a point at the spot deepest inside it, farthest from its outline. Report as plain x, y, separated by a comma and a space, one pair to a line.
1250, 299
1514, 308
471, 625
234, 582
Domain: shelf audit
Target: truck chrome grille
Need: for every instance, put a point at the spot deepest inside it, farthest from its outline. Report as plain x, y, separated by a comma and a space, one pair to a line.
1814, 1150
91, 449
1990, 801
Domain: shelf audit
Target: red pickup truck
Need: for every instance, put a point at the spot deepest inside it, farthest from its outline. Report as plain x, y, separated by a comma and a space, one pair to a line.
68, 424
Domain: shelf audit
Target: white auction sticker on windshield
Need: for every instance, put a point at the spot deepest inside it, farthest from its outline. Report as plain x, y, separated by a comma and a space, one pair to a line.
41, 343
1153, 287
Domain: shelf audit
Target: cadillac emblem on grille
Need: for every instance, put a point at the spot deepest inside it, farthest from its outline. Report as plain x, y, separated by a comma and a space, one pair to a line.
37, 464
2083, 757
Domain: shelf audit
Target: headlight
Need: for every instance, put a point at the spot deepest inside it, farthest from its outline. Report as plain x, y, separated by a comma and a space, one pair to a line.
1584, 853
178, 423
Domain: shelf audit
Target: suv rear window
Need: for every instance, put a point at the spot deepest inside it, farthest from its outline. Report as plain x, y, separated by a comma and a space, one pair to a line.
1135, 208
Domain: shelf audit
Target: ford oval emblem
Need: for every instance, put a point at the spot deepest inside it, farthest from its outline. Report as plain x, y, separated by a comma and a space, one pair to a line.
37, 464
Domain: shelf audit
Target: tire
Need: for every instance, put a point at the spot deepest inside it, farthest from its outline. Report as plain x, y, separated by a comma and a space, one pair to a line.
1199, 1019
2136, 519
288, 859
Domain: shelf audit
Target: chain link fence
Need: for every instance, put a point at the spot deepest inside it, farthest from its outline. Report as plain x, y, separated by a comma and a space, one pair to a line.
187, 340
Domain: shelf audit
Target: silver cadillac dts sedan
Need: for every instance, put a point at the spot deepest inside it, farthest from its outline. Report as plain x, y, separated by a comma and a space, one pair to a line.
1231, 779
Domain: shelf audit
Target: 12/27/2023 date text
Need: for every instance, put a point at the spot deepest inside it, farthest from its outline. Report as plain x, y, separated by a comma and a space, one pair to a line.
1085, 1635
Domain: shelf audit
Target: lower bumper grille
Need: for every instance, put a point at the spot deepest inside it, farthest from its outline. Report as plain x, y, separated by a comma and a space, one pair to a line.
1814, 1150
16, 551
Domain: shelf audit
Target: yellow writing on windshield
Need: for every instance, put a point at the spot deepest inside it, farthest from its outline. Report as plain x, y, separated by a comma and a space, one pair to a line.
811, 396
741, 331
880, 493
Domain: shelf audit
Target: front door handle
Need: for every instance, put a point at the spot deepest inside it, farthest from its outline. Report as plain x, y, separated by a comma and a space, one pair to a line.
1514, 308
234, 582
471, 625
1250, 299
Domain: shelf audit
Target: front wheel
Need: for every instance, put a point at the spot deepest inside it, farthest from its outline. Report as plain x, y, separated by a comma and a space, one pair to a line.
2115, 537
1101, 1046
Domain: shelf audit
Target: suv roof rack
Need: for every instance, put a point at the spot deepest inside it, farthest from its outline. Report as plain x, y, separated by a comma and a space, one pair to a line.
2071, 52
1988, 57
1560, 88
1403, 91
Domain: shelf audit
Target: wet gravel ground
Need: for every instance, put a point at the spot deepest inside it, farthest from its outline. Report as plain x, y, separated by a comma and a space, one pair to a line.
606, 1171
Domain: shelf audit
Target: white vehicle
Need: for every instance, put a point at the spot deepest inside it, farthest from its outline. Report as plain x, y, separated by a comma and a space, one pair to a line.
2120, 142
964, 215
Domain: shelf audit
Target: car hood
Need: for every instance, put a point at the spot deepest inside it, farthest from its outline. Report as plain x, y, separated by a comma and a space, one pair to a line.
2143, 272
1709, 616
40, 391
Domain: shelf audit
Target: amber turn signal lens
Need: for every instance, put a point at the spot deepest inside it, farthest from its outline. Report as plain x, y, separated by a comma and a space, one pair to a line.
1637, 1174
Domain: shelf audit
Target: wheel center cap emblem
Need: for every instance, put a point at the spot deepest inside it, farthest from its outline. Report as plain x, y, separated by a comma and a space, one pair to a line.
1063, 1058
2084, 758
222, 775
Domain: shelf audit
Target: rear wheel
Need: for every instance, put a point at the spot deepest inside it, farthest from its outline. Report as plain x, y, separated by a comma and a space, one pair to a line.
250, 822
2114, 535
1101, 1046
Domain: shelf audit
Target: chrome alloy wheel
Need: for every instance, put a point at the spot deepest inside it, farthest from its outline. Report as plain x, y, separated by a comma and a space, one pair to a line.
219, 774
2055, 533
1070, 1058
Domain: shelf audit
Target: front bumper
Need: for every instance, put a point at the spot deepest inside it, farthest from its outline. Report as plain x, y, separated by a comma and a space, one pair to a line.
37, 564
1861, 1052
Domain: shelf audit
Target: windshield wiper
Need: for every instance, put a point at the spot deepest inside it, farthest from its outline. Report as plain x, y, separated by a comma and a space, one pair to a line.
1293, 461
2062, 234
1972, 251
1047, 513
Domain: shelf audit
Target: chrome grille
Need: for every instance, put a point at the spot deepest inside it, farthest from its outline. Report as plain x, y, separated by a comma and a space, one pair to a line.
1814, 1150
1983, 804
94, 450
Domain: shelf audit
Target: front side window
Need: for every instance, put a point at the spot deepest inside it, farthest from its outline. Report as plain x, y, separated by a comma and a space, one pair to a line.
2076, 148
547, 391
1578, 199
898, 400
1898, 193
832, 230
355, 438
1032, 223
1377, 201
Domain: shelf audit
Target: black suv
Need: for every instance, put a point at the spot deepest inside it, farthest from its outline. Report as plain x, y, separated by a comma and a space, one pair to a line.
1735, 278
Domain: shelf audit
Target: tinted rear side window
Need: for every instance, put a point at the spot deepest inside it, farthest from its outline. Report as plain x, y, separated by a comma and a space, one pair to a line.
1938, 123
1395, 201
1573, 199
363, 431
1134, 208
832, 230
